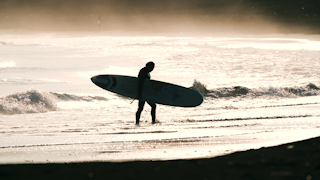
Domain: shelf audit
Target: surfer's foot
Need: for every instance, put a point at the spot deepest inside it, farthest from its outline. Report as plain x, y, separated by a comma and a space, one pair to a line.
155, 122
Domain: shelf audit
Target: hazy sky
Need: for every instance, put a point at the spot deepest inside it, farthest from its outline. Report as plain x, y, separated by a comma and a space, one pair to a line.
156, 15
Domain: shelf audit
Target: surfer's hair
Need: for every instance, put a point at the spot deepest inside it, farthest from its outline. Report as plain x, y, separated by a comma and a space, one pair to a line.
150, 64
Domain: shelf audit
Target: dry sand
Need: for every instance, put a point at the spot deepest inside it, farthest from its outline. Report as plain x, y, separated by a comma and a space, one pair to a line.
293, 161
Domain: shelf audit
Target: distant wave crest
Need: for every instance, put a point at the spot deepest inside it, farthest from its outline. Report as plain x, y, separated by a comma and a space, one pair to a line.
7, 64
72, 97
3, 43
308, 90
34, 101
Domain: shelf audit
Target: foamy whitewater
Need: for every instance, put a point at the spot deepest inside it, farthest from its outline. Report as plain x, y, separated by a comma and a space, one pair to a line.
258, 92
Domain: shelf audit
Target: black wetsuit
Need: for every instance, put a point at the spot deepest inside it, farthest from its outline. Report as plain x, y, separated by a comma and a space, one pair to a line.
143, 75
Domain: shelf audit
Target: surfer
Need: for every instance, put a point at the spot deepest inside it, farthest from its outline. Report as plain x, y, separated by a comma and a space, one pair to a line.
143, 75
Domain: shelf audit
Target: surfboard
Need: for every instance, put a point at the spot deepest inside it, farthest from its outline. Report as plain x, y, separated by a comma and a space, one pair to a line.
153, 91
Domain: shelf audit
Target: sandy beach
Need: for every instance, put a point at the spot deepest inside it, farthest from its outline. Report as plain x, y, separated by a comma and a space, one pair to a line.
298, 160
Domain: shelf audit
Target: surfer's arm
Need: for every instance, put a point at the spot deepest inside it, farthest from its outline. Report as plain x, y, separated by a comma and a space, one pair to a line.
140, 85
143, 75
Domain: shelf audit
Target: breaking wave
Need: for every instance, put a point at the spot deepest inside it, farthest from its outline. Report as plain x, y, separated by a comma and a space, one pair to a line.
289, 92
28, 102
34, 101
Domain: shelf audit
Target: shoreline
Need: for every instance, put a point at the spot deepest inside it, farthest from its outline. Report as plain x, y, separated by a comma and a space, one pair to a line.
19, 33
297, 160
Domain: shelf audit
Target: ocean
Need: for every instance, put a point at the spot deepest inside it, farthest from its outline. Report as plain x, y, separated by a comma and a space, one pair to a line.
259, 91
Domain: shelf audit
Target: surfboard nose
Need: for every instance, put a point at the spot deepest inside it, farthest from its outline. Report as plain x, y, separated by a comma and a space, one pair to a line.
94, 79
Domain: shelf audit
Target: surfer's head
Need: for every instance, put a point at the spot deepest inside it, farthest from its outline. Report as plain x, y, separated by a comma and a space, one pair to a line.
150, 66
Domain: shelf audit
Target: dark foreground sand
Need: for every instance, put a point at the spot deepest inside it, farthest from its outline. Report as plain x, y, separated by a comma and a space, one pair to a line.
293, 161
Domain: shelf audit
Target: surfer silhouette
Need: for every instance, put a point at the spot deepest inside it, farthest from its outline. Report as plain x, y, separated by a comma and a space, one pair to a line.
143, 75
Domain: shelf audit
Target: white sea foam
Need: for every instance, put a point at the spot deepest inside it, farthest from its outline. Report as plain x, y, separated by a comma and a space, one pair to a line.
7, 64
27, 102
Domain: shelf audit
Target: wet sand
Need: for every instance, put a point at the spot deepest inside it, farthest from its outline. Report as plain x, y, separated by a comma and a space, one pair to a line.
298, 160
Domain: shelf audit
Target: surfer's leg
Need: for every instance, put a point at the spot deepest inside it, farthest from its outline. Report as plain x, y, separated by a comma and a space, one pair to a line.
153, 112
138, 114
